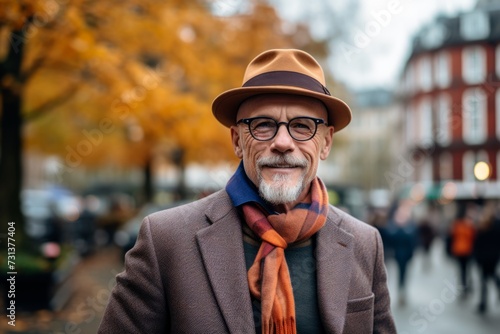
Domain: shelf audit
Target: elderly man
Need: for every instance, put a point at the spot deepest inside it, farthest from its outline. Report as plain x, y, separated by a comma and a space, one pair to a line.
267, 254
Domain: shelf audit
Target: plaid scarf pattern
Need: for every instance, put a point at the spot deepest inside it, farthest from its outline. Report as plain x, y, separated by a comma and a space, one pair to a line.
268, 277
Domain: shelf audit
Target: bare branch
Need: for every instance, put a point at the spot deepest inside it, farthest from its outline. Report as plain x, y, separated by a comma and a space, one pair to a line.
35, 66
51, 104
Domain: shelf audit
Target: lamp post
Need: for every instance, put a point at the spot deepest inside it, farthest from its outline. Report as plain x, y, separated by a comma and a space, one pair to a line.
482, 171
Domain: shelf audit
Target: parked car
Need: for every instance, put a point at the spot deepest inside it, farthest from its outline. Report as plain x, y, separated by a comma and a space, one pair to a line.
48, 213
126, 235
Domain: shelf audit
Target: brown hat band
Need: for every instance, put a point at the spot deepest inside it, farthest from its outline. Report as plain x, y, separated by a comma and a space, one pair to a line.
287, 78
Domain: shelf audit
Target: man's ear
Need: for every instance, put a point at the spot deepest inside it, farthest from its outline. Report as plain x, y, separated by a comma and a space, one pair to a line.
327, 143
235, 139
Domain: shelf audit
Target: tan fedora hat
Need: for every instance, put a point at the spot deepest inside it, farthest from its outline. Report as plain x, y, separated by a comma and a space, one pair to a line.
282, 71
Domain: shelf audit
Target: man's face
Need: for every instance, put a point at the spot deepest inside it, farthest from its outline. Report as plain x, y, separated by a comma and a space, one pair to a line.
282, 168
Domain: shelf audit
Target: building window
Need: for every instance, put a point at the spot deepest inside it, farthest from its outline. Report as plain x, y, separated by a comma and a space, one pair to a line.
473, 64
482, 156
425, 122
474, 26
474, 116
443, 118
434, 35
497, 113
426, 171
446, 166
468, 166
425, 74
442, 73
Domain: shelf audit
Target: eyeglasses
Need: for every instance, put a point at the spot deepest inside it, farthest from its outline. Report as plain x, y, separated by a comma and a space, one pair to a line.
266, 128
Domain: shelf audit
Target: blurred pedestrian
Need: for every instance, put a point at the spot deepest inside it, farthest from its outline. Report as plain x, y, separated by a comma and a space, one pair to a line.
487, 252
403, 238
266, 254
85, 225
109, 222
462, 235
54, 225
426, 235
378, 219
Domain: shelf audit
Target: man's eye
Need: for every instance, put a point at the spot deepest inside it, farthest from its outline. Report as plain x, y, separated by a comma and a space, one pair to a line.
264, 125
301, 126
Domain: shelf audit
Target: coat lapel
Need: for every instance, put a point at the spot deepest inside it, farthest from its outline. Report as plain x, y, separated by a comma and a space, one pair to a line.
335, 255
221, 246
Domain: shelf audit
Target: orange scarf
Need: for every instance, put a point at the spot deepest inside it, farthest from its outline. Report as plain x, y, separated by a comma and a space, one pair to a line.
268, 277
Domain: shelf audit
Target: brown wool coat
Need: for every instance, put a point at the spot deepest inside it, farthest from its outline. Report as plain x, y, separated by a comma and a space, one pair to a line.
187, 274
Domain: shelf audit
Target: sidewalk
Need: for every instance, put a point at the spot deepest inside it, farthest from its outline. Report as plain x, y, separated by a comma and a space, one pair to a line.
435, 302
88, 293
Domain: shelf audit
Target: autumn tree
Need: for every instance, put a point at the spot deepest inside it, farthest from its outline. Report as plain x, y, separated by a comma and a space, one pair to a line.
42, 39
110, 82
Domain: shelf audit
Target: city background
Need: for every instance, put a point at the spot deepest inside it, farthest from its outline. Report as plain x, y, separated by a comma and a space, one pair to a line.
105, 118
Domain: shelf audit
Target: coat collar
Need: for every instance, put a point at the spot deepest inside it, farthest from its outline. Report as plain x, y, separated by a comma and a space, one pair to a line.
221, 247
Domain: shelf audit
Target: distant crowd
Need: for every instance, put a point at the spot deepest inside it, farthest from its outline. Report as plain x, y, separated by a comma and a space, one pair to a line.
473, 237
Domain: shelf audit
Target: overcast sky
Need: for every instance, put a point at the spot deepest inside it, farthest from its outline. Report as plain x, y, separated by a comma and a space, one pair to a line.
373, 54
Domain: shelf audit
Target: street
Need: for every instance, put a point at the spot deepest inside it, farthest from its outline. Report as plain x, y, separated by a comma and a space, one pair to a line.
435, 303
80, 303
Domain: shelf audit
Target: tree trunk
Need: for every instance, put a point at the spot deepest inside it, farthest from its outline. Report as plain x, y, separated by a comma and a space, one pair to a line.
178, 160
148, 181
11, 168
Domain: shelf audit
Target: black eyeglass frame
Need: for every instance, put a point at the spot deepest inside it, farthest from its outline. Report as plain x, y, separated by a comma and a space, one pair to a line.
247, 121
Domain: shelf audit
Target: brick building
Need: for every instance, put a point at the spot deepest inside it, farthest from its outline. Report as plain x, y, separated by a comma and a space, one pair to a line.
450, 93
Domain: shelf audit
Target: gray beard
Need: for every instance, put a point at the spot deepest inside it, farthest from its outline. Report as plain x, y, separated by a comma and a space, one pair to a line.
279, 190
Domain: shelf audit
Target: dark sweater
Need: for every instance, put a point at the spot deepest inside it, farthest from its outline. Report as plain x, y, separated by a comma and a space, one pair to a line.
302, 267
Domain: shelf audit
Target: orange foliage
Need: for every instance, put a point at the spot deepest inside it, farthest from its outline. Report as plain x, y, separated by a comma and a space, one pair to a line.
131, 76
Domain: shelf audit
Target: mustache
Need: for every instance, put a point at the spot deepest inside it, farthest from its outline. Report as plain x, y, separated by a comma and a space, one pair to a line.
282, 161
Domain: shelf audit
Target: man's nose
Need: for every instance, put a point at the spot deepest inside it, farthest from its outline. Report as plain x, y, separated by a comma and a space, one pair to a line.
283, 141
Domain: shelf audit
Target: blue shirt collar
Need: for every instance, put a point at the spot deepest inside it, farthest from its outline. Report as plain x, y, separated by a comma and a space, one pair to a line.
241, 190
